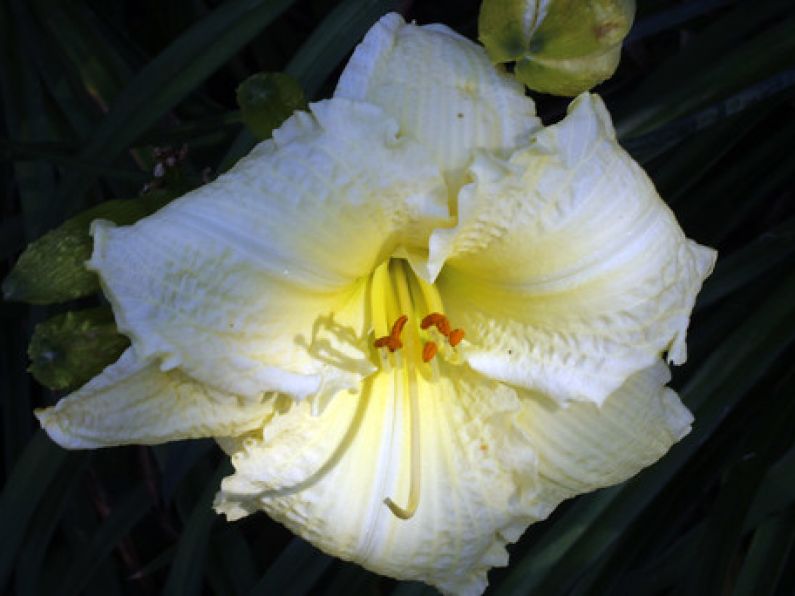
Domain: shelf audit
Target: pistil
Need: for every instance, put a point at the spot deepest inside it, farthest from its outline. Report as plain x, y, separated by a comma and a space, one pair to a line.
411, 349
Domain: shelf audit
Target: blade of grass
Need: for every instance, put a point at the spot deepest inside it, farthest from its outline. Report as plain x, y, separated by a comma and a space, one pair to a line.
296, 571
233, 557
30, 567
667, 569
670, 18
679, 169
176, 460
26, 152
27, 119
171, 76
76, 112
102, 71
350, 579
648, 146
777, 491
742, 267
27, 484
181, 133
738, 189
187, 569
121, 519
724, 529
719, 60
333, 39
767, 556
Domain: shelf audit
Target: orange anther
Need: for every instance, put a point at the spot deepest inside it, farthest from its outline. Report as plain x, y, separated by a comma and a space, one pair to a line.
392, 341
389, 342
439, 320
398, 326
455, 337
444, 327
429, 351
431, 319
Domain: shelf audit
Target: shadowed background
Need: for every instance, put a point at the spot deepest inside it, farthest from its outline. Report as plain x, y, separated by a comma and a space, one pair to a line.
703, 98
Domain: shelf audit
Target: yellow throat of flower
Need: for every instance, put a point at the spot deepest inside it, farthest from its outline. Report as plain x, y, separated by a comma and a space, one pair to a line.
410, 330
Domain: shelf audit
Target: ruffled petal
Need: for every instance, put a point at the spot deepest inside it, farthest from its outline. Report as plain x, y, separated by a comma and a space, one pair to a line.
326, 477
443, 90
566, 269
254, 282
582, 446
133, 402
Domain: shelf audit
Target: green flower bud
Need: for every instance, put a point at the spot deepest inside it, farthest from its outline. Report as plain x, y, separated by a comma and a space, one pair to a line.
562, 47
52, 268
268, 99
69, 349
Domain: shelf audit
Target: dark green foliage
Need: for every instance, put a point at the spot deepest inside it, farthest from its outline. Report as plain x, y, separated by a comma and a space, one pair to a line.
703, 98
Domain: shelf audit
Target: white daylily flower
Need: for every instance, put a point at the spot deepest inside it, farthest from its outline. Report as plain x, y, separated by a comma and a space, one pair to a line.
280, 310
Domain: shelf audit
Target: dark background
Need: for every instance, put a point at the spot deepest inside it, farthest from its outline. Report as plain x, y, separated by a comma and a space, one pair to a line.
703, 99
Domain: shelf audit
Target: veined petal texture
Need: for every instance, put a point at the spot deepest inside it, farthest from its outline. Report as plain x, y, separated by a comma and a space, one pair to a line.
581, 446
566, 268
247, 282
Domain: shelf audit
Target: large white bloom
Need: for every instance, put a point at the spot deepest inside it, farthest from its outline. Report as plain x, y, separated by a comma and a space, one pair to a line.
425, 185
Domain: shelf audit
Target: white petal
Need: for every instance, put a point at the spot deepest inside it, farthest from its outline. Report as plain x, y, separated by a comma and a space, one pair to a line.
443, 90
326, 477
566, 270
132, 401
254, 282
582, 446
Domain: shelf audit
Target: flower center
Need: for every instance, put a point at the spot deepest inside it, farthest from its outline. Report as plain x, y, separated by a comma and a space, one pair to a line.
397, 298
410, 329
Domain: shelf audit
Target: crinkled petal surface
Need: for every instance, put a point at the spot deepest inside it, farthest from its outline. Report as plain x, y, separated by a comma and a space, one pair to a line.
443, 90
133, 402
253, 283
326, 477
566, 269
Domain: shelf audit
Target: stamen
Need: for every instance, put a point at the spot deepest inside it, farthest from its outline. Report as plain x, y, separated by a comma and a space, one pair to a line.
389, 342
392, 341
398, 326
455, 337
437, 319
429, 351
